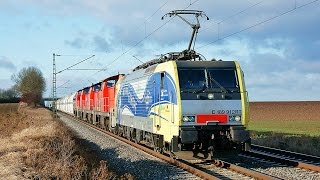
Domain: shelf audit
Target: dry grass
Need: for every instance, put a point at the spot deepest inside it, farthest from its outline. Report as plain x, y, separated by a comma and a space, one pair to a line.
292, 142
293, 126
34, 146
9, 107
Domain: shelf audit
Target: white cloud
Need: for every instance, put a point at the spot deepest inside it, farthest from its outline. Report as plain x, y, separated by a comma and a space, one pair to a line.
280, 57
5, 63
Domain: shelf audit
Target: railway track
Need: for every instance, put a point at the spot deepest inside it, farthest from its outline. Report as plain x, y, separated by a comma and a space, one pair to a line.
289, 154
218, 169
289, 158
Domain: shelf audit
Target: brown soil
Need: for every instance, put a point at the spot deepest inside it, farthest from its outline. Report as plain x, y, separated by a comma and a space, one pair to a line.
285, 111
282, 113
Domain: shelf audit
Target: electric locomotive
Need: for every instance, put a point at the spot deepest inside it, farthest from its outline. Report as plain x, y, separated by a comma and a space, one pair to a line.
179, 103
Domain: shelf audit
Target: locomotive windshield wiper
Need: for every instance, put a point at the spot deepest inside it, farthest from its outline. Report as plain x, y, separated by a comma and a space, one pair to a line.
217, 83
200, 90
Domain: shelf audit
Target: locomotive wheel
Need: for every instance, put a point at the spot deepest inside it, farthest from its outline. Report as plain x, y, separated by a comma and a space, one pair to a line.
158, 150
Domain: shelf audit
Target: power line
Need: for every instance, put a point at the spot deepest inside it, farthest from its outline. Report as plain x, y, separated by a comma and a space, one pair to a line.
224, 19
75, 64
136, 44
139, 42
74, 55
147, 19
156, 11
54, 80
84, 69
137, 59
259, 23
63, 84
145, 25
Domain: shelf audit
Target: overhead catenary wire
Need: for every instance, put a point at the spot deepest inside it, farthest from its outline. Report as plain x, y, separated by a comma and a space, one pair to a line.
54, 87
143, 39
156, 11
259, 23
74, 55
233, 15
224, 37
81, 69
145, 25
63, 84
147, 19
139, 42
76, 64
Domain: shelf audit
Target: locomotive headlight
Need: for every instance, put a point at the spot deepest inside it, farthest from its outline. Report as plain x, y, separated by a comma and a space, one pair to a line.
185, 119
188, 118
210, 96
237, 118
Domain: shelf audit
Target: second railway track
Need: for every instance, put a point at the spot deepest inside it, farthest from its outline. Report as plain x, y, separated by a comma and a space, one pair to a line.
288, 158
289, 155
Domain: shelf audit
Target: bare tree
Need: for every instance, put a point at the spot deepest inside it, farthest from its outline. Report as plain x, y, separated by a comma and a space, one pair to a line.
9, 95
31, 84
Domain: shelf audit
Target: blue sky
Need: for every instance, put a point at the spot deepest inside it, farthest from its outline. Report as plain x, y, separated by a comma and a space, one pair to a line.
280, 58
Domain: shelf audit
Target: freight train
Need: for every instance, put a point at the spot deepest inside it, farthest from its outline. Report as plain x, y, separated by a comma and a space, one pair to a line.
179, 103
171, 104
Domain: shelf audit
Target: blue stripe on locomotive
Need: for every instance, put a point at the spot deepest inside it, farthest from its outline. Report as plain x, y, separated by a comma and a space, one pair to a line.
152, 96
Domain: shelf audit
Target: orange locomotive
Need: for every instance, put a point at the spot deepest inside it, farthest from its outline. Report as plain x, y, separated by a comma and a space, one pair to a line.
96, 103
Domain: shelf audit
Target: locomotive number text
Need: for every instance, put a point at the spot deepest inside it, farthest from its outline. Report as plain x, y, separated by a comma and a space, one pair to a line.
230, 111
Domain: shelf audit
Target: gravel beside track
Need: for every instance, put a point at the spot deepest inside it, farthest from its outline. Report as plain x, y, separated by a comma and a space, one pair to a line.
223, 173
123, 158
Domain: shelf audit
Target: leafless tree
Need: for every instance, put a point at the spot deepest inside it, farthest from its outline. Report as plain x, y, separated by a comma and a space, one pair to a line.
31, 84
9, 95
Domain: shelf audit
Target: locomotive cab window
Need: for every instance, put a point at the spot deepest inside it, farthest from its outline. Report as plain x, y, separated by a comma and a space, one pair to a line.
225, 77
207, 79
191, 79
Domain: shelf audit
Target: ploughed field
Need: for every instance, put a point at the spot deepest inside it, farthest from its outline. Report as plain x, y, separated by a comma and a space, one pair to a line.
293, 126
286, 117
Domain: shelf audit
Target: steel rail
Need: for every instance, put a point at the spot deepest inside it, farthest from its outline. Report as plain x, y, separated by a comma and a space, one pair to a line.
283, 160
290, 154
244, 171
172, 161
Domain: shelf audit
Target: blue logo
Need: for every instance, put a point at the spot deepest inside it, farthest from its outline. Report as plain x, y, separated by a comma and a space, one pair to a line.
155, 92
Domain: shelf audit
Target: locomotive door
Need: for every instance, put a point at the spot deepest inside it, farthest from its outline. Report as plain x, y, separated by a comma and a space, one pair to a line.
157, 100
161, 96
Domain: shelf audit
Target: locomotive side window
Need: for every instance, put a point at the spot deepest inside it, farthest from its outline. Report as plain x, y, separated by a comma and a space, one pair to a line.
110, 83
161, 80
97, 87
